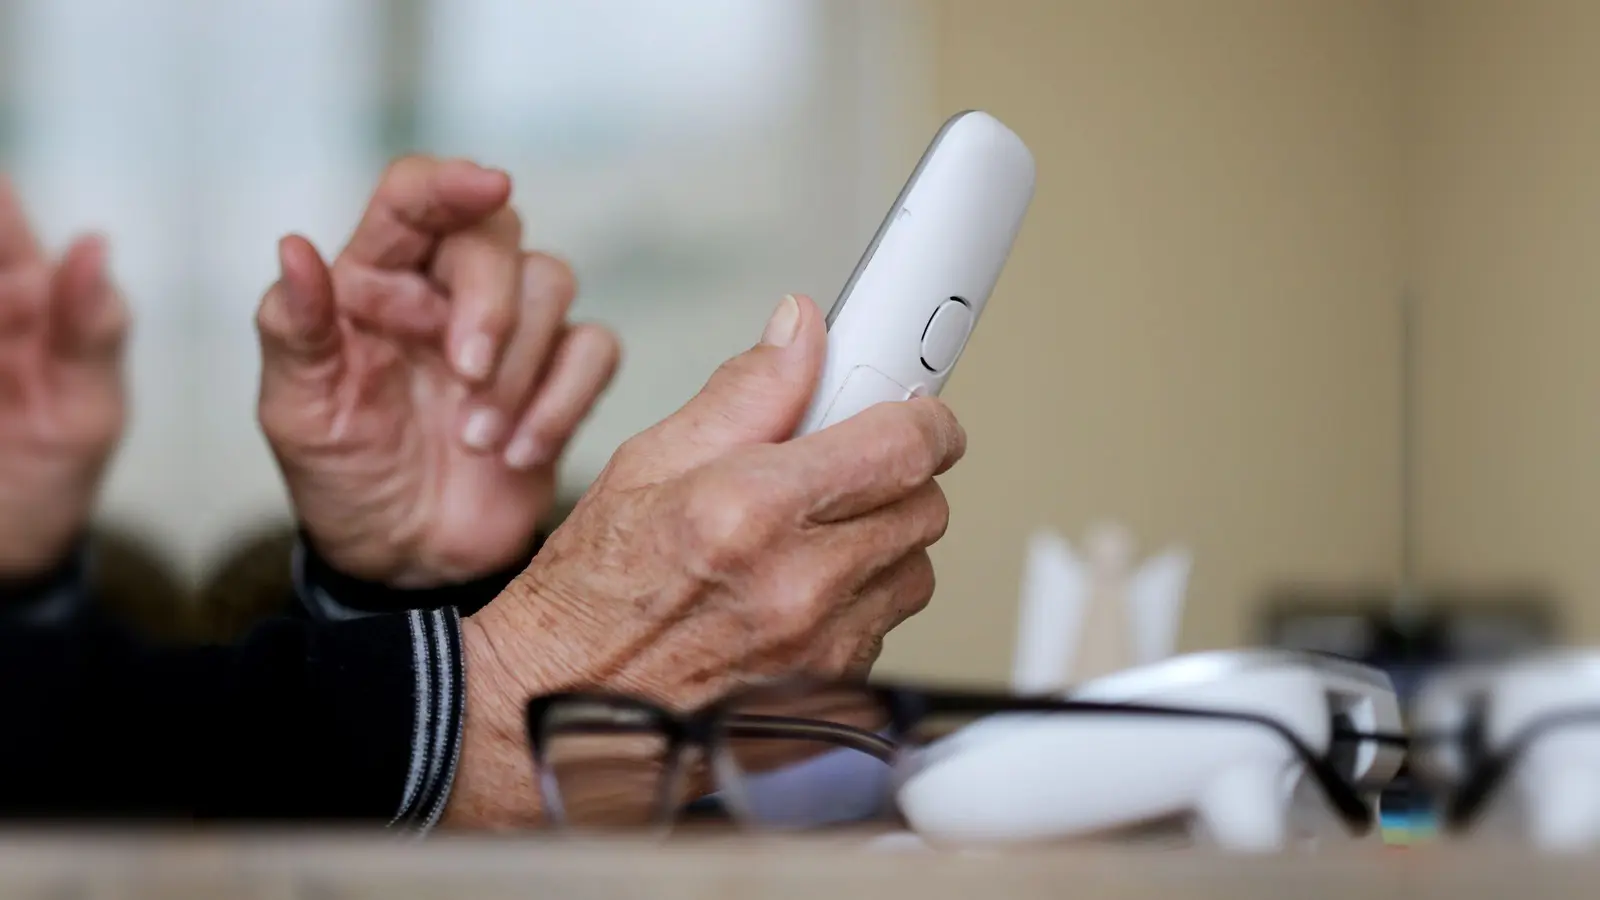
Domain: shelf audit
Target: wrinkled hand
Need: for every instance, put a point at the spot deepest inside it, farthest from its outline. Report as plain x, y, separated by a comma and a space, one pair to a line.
419, 391
711, 554
61, 390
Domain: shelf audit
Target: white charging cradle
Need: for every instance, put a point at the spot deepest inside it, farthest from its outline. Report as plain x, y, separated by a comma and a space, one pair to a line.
1237, 786
1551, 797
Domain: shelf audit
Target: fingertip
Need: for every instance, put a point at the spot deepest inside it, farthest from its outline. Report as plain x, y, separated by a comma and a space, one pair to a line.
605, 347
479, 332
479, 337
812, 331
297, 257
304, 293
952, 434
475, 182
810, 343
303, 272
84, 265
483, 429
473, 356
88, 313
581, 370
286, 251
94, 246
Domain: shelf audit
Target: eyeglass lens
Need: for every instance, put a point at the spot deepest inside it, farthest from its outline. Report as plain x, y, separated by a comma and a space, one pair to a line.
608, 766
806, 758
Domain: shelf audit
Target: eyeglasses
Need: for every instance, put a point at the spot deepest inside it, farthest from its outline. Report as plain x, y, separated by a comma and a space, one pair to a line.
1476, 774
808, 754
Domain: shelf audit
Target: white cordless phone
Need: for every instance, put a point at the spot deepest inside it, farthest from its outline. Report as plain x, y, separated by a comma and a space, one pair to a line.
904, 317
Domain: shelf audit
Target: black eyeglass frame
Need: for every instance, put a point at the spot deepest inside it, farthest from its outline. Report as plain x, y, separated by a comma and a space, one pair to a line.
1466, 801
907, 706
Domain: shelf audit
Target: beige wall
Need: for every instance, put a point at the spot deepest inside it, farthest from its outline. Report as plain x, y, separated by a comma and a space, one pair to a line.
1197, 331
1506, 232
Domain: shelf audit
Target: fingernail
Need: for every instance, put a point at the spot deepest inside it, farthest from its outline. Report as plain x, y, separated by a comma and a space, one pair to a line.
475, 356
784, 323
481, 430
525, 452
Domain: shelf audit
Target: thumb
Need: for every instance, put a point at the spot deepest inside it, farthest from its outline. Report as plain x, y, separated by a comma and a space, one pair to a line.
297, 320
758, 396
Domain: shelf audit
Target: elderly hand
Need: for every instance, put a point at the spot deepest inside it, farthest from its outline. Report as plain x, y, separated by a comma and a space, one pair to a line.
711, 553
61, 390
419, 392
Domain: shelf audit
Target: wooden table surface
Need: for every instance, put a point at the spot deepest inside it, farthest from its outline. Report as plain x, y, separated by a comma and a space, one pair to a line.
327, 866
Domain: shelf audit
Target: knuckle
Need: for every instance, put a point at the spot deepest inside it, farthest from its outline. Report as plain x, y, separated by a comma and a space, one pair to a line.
791, 615
956, 436
852, 657
508, 220
403, 177
935, 515
818, 595
119, 320
552, 430
917, 583
729, 370
941, 437
496, 318
357, 291
553, 275
405, 191
404, 169
909, 447
724, 530
631, 451
265, 318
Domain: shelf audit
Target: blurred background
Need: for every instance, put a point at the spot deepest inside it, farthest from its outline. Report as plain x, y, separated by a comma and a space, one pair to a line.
1203, 331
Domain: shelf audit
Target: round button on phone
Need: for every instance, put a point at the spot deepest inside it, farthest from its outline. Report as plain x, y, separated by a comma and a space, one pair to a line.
945, 335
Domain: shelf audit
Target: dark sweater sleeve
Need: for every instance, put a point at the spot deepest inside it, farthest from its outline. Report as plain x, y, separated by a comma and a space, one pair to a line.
355, 721
332, 596
55, 597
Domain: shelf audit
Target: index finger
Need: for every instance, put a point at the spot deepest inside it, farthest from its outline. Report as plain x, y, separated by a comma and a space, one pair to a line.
420, 200
18, 244
876, 457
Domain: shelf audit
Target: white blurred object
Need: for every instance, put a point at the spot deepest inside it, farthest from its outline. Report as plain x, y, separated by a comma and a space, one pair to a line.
1155, 604
1541, 704
1233, 785
1085, 617
1054, 585
1109, 623
1105, 635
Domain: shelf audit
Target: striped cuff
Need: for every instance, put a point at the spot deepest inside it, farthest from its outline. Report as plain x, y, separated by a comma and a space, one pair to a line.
439, 668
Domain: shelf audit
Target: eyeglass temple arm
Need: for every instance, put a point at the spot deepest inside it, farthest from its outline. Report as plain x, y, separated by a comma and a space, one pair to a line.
1469, 800
1341, 794
748, 725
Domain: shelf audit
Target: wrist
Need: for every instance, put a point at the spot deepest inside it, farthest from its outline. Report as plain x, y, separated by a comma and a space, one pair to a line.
496, 784
36, 555
333, 592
